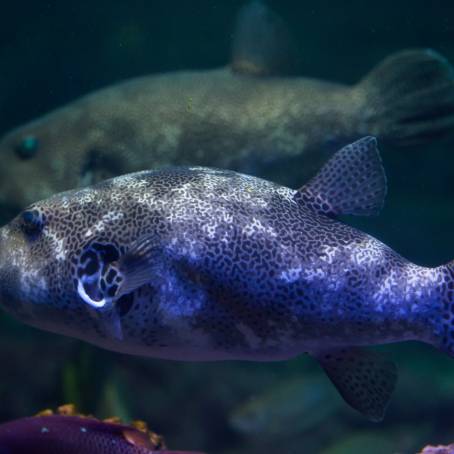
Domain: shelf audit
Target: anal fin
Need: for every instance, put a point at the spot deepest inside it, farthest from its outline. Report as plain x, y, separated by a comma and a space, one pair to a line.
365, 379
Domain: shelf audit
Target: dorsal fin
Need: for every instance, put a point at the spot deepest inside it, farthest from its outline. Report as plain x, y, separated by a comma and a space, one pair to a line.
353, 181
262, 45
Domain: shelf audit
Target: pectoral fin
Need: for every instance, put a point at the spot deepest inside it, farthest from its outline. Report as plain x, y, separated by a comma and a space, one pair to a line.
103, 276
364, 379
134, 269
108, 321
261, 44
351, 182
111, 326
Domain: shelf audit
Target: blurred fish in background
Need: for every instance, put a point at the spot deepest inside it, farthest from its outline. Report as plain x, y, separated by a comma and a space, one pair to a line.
295, 411
248, 116
294, 406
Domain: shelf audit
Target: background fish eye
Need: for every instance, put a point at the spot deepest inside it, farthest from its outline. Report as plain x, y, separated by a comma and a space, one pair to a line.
28, 147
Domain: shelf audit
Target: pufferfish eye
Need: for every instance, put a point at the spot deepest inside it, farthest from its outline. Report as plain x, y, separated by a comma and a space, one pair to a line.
32, 223
28, 147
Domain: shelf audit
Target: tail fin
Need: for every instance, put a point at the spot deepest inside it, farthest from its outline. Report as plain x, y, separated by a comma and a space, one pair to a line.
409, 97
445, 324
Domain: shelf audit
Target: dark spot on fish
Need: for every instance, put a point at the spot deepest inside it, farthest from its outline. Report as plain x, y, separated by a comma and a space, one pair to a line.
86, 256
124, 304
111, 291
109, 253
110, 276
91, 268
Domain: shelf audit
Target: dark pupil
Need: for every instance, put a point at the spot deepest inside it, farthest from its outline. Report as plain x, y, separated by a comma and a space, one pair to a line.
32, 223
28, 147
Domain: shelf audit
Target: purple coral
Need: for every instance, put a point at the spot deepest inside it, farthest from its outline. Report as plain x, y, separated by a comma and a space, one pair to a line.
59, 434
438, 449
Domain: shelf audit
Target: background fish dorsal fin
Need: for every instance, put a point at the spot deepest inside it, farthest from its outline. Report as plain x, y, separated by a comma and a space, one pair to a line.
262, 45
353, 181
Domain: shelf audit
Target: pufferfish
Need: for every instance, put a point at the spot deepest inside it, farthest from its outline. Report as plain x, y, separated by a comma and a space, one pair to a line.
197, 264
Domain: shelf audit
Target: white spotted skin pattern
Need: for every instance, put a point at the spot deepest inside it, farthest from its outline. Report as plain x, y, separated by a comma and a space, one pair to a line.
245, 270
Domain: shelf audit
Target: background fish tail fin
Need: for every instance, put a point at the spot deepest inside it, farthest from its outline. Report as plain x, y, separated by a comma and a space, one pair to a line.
365, 379
409, 97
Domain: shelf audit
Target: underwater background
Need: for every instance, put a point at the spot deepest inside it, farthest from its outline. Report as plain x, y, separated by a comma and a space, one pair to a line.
53, 52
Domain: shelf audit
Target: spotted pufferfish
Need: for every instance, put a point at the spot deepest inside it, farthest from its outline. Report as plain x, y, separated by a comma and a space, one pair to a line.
203, 264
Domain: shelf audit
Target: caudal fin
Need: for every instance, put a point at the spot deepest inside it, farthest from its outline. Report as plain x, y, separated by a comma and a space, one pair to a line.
444, 323
409, 97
